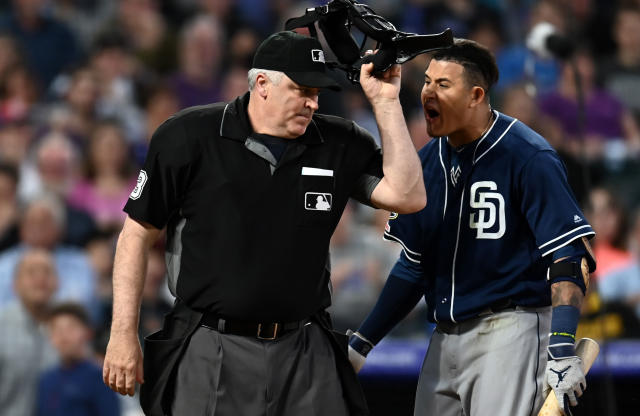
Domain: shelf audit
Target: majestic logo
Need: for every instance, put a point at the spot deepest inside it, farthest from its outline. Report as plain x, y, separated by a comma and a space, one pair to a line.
317, 201
455, 175
561, 374
494, 210
137, 191
317, 55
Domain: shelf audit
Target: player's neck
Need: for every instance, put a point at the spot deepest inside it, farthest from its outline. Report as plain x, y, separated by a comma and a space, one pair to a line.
477, 128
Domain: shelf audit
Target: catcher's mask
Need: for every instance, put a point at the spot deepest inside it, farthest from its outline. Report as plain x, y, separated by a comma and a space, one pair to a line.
335, 20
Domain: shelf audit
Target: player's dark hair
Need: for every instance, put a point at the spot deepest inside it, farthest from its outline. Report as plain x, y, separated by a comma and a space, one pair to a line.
479, 64
71, 309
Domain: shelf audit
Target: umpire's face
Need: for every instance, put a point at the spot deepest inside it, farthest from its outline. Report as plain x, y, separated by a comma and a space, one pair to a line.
447, 99
290, 107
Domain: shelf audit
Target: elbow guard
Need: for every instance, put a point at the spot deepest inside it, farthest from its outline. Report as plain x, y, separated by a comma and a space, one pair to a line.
573, 263
572, 269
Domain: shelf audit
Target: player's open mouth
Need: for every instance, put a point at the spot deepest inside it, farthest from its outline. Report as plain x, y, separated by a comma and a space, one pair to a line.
431, 114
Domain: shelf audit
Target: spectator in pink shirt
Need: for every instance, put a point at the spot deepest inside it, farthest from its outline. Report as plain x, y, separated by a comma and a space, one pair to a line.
108, 177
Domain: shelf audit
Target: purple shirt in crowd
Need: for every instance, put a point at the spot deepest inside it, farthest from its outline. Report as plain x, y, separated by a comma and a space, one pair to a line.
603, 114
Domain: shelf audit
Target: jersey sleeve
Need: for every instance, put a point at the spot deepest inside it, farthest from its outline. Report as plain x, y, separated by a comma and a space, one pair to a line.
549, 205
162, 179
406, 230
372, 172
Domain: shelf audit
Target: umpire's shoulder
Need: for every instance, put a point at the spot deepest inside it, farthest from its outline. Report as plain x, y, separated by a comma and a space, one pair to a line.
341, 129
182, 131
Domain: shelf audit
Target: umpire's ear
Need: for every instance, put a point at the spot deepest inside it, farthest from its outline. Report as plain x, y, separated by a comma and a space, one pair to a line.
477, 95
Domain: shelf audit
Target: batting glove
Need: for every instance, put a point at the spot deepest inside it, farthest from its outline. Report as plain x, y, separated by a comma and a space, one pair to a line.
359, 347
566, 378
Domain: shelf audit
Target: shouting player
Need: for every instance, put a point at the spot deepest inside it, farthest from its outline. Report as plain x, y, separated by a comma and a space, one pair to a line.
500, 253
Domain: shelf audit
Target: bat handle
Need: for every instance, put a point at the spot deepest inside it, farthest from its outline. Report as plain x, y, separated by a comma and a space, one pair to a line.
587, 349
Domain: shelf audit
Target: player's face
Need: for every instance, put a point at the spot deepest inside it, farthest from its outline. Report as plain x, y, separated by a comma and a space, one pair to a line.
446, 96
291, 106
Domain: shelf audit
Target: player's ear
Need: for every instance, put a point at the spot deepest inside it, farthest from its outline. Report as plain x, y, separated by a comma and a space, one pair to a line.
477, 95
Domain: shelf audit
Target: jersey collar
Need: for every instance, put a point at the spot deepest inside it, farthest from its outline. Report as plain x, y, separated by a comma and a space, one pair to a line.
499, 128
235, 123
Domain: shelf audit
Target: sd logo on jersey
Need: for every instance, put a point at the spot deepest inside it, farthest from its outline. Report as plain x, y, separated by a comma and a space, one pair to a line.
490, 207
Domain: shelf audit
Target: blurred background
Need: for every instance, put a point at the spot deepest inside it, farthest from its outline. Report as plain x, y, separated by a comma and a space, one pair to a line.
84, 83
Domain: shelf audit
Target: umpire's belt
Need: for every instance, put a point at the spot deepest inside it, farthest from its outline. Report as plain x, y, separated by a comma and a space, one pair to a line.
266, 331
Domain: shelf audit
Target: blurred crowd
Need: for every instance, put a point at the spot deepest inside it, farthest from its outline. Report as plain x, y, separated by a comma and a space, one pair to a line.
84, 83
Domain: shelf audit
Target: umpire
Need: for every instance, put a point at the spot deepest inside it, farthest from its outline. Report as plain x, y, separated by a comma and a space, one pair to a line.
250, 193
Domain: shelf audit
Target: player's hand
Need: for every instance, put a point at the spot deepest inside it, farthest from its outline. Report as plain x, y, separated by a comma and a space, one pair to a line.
566, 378
123, 363
356, 359
383, 87
359, 347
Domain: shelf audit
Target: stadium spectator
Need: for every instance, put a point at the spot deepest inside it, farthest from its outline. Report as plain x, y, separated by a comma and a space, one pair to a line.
41, 226
74, 387
8, 206
360, 260
197, 81
48, 45
24, 348
152, 41
605, 120
19, 94
623, 284
53, 168
118, 74
608, 217
621, 71
108, 178
75, 112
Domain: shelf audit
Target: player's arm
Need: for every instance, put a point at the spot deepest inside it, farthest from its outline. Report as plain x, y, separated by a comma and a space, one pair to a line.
569, 278
402, 187
400, 294
123, 360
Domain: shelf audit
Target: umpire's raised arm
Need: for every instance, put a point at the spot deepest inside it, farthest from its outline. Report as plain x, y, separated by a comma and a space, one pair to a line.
402, 188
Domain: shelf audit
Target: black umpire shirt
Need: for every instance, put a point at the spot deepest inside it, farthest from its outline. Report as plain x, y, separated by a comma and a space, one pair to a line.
248, 236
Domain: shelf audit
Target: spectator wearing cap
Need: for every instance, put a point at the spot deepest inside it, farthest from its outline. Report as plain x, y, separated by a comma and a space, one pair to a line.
250, 192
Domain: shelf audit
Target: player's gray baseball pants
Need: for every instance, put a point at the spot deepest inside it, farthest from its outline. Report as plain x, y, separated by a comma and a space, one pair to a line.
222, 374
488, 366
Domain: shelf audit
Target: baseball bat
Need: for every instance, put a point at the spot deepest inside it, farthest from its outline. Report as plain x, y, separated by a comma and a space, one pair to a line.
587, 349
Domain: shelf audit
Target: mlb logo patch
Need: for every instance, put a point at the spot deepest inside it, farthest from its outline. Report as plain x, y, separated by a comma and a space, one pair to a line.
317, 201
317, 55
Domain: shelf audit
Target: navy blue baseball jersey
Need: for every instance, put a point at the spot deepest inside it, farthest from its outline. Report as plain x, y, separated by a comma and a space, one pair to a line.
496, 210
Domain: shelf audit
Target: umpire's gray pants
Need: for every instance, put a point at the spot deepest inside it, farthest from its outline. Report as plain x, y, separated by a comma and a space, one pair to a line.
489, 366
230, 375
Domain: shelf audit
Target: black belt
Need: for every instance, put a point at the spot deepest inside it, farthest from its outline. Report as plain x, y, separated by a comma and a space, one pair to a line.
265, 330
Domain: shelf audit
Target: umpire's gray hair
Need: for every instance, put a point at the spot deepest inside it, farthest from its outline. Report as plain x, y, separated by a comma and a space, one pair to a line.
274, 76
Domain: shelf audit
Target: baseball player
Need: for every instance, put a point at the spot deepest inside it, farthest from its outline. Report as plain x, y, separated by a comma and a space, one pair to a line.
250, 192
500, 254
